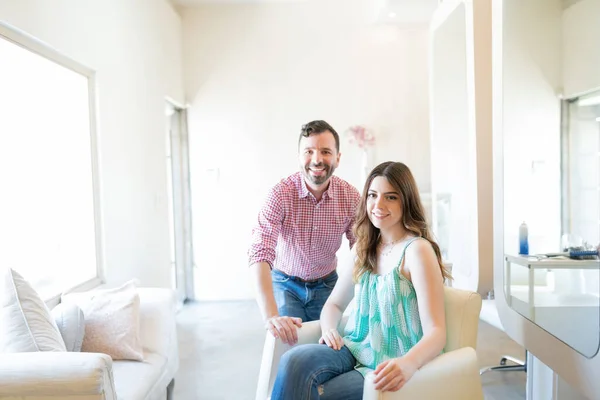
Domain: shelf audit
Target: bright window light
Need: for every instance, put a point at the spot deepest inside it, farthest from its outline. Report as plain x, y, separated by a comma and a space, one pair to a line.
47, 230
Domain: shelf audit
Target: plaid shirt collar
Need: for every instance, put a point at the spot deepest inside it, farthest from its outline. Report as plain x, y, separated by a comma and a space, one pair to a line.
304, 192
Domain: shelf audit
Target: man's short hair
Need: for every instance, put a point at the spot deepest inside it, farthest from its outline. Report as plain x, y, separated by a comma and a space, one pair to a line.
318, 127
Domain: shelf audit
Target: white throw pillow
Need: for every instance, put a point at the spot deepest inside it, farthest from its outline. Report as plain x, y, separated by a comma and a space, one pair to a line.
112, 321
26, 324
71, 324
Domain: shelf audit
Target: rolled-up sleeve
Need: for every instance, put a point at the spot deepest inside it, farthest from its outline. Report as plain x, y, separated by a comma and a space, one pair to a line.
266, 231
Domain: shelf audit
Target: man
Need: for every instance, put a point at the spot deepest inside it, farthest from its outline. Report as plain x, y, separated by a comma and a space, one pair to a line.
298, 232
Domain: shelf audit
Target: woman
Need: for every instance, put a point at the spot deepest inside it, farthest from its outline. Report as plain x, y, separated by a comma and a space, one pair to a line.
398, 322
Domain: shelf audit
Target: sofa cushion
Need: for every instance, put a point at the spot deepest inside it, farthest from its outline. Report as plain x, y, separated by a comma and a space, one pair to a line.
112, 322
26, 324
71, 324
137, 380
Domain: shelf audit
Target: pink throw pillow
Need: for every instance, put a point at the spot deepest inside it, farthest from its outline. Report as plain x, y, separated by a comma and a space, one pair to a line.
112, 321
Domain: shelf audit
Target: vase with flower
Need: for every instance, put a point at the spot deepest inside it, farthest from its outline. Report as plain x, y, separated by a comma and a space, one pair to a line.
365, 140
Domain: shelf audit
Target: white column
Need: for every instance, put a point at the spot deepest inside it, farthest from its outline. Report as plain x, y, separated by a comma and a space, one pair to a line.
545, 384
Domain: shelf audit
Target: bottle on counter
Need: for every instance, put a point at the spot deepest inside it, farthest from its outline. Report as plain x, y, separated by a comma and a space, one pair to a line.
523, 239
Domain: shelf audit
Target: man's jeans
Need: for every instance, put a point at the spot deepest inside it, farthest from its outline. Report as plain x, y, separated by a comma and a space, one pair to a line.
296, 298
316, 371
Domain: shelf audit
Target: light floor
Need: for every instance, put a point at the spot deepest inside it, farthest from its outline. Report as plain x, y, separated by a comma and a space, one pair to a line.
220, 345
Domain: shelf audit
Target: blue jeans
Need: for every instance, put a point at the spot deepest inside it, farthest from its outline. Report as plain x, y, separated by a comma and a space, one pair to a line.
317, 372
296, 298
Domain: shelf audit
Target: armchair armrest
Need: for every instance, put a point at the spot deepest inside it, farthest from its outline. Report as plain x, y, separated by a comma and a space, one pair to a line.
450, 376
274, 349
61, 375
272, 352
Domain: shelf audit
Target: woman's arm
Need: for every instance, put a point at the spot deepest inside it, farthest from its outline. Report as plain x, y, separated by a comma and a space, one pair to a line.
336, 304
426, 276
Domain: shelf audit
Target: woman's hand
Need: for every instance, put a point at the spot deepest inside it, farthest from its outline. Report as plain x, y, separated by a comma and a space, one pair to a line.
332, 338
392, 374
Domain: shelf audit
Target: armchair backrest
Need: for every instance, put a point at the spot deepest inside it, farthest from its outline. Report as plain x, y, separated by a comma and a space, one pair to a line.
462, 318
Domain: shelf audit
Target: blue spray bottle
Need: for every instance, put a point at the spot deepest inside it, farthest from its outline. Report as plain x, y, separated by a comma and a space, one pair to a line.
523, 239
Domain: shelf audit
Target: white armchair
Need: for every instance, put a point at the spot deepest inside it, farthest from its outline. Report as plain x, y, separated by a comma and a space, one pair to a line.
454, 375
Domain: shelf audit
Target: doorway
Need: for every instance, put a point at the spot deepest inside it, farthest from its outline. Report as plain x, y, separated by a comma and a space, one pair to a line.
179, 200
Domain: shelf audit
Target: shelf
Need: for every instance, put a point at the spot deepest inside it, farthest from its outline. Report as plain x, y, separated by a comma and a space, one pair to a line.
553, 263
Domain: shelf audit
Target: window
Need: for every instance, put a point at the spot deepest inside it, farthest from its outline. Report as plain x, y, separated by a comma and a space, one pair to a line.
581, 168
581, 178
49, 215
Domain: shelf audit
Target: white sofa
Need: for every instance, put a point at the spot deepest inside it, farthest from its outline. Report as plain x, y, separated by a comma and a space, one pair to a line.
95, 376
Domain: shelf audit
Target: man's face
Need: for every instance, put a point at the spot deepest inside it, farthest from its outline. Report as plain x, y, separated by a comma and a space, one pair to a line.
318, 158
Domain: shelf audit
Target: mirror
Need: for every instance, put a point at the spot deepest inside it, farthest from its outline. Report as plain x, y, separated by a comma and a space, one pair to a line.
551, 144
450, 111
452, 182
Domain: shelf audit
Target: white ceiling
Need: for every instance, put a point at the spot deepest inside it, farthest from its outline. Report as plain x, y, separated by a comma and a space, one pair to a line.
568, 3
198, 2
408, 11
390, 11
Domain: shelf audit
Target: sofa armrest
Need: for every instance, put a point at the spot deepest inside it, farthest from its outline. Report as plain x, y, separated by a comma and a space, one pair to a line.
450, 376
158, 328
56, 374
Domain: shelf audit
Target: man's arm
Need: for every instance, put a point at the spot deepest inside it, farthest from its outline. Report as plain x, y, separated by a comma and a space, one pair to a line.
261, 256
280, 327
264, 290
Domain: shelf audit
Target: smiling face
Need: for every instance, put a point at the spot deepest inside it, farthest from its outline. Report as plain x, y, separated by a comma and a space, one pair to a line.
384, 205
318, 158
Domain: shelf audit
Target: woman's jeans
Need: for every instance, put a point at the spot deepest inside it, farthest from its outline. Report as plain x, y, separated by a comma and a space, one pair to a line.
316, 371
296, 298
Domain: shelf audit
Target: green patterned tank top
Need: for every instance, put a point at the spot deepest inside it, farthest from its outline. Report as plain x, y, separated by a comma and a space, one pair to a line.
385, 322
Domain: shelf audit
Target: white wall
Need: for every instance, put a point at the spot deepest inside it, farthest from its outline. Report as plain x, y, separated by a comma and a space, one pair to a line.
581, 58
135, 47
532, 77
254, 74
461, 139
452, 146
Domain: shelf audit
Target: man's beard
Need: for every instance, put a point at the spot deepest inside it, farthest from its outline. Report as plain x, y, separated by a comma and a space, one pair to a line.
318, 180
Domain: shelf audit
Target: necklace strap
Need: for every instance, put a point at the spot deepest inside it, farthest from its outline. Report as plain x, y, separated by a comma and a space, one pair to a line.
393, 241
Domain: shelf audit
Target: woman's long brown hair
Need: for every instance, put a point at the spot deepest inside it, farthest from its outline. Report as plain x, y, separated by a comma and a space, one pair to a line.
413, 217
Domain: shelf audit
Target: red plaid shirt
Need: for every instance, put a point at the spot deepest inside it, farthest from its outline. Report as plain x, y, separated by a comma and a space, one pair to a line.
299, 236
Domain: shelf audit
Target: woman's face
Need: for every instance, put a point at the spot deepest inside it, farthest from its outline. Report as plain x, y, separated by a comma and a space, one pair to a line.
384, 206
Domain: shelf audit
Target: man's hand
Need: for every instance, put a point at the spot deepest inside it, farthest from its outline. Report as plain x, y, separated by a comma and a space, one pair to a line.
392, 374
332, 339
285, 328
